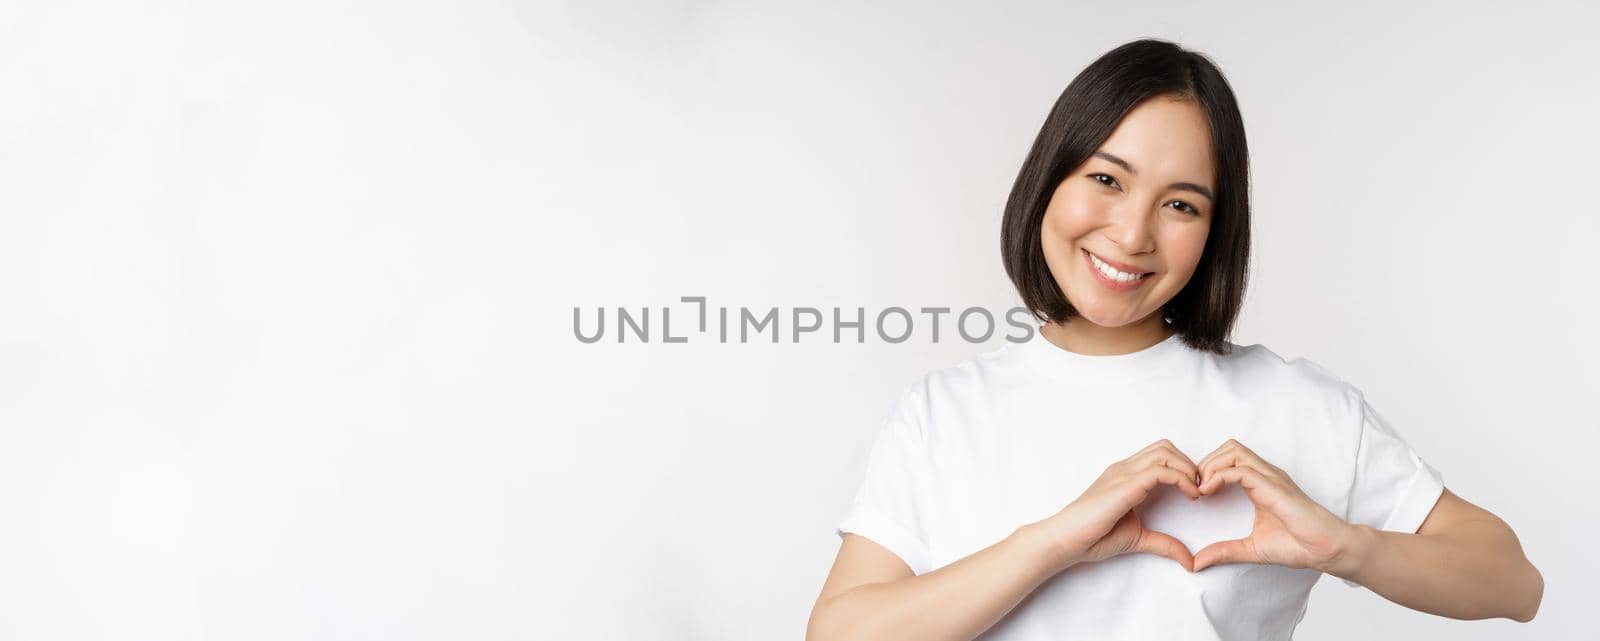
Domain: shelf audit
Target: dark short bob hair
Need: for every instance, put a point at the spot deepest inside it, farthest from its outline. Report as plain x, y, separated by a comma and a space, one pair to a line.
1090, 108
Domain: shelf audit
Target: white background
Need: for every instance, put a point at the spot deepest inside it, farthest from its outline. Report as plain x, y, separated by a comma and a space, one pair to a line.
286, 344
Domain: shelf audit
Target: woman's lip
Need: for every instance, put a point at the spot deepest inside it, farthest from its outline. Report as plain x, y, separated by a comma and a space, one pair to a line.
1112, 284
1121, 267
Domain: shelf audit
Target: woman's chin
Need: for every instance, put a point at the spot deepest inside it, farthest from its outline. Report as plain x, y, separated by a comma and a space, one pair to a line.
1109, 315
1108, 318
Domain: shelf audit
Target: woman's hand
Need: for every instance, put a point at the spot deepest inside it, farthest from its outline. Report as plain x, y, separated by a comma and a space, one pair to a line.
1101, 523
1290, 529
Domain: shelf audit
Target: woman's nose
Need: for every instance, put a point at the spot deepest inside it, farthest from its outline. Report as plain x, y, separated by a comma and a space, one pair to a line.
1130, 228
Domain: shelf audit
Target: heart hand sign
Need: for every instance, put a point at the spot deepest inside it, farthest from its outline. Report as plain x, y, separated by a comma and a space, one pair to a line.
1289, 529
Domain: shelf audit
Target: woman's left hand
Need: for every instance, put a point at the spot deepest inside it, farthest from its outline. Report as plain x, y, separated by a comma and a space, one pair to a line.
1290, 529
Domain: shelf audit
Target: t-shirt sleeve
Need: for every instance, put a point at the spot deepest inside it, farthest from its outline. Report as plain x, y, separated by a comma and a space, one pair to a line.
1394, 488
891, 504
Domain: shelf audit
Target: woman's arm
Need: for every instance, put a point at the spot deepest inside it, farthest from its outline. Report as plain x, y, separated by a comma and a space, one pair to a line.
961, 600
1463, 563
956, 602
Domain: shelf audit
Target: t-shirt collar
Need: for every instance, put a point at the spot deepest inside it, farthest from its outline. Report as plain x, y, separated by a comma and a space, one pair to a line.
1163, 357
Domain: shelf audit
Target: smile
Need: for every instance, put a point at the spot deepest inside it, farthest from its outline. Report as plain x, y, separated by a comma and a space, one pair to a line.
1112, 277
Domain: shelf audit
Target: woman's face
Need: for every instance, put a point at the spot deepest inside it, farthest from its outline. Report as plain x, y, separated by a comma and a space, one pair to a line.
1142, 202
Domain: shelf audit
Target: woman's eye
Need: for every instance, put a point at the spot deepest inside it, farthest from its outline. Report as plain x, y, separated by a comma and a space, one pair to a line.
1108, 181
1185, 207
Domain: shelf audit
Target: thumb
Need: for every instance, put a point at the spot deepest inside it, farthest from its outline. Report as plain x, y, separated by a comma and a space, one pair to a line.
1163, 544
1221, 552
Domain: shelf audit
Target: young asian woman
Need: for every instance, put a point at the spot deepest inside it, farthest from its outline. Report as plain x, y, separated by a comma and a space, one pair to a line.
1214, 483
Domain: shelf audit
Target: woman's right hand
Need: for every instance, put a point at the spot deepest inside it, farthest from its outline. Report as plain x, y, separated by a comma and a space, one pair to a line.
1102, 524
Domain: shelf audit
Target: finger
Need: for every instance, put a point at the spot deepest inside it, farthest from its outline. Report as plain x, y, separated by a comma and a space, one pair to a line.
1260, 489
1188, 469
1150, 476
1163, 443
1169, 456
1247, 477
1238, 455
1163, 544
1234, 459
1224, 447
1242, 454
1223, 552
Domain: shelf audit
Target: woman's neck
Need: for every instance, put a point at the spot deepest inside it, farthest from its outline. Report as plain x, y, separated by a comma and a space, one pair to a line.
1082, 336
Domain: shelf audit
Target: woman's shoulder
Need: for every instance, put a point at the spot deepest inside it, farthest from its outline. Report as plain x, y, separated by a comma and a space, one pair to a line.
973, 372
963, 379
1299, 376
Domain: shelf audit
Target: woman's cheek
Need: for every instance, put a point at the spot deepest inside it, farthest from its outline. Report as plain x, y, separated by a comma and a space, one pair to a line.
1072, 218
1193, 245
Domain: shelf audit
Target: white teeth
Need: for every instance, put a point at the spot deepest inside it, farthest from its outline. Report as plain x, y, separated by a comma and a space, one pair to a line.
1111, 272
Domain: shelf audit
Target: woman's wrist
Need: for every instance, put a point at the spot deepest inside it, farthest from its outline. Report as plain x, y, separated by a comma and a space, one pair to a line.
1051, 554
1353, 554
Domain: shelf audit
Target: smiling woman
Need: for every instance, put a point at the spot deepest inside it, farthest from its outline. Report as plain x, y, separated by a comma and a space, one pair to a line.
1215, 483
1144, 151
1109, 266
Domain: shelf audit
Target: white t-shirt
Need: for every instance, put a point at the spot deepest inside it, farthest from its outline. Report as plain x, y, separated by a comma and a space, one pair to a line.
972, 451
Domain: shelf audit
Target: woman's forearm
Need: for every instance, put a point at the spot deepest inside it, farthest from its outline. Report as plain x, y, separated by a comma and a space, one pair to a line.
1474, 570
956, 602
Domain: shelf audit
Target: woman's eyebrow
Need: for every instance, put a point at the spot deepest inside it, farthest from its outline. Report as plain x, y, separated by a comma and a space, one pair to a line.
1186, 186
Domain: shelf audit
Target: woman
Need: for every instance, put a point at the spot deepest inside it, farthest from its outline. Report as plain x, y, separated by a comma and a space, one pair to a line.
1235, 478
